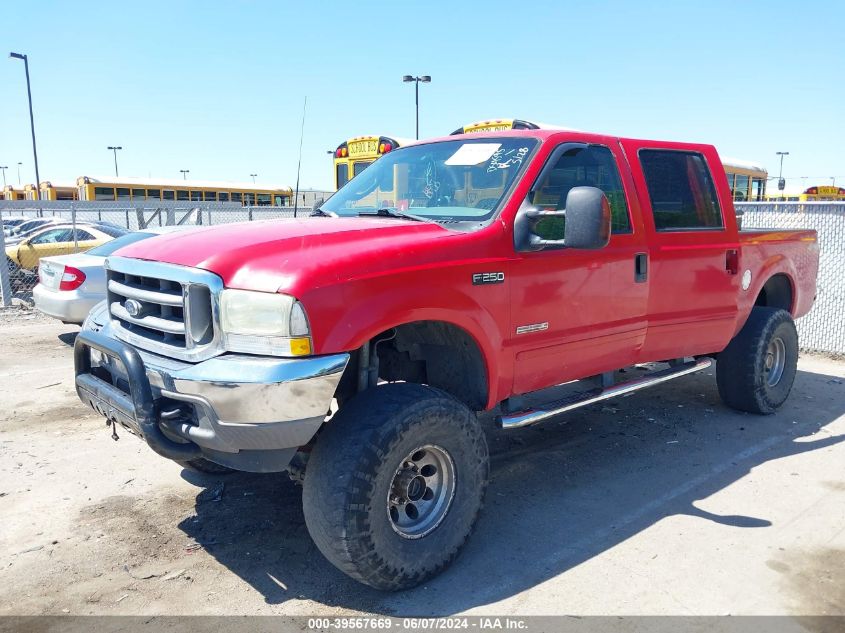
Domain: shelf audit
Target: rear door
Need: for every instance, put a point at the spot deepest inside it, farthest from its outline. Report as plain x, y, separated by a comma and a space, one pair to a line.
693, 249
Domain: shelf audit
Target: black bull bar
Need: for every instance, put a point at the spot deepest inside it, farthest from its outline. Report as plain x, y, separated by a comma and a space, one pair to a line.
137, 410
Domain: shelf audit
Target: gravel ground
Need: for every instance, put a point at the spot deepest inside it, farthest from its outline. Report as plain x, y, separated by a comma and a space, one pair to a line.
665, 502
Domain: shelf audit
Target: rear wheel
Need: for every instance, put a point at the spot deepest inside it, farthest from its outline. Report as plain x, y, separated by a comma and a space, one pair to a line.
756, 371
394, 484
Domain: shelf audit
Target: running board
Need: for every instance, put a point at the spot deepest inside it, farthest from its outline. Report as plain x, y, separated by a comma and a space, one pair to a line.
532, 416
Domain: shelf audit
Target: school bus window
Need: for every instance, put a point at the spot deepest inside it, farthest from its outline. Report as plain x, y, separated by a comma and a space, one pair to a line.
740, 190
123, 193
223, 196
139, 194
153, 194
264, 199
360, 166
168, 195
342, 175
210, 196
487, 180
237, 196
103, 193
182, 195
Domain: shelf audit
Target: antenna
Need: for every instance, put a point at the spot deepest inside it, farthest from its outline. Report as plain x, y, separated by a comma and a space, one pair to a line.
299, 164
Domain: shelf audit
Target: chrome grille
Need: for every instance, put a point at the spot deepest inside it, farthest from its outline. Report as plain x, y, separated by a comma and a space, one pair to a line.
167, 309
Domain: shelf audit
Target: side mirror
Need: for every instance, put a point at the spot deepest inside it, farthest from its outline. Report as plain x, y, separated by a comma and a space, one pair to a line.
585, 223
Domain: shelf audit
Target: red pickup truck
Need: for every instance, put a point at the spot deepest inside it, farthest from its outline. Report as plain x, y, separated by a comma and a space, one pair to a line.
356, 347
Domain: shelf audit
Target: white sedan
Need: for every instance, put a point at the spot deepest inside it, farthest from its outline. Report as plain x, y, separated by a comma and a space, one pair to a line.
70, 285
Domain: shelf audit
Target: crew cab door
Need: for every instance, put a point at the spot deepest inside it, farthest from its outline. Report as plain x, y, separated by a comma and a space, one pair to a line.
576, 313
693, 249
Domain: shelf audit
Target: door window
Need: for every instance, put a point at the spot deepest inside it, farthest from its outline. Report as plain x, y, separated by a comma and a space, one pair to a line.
681, 189
52, 237
591, 166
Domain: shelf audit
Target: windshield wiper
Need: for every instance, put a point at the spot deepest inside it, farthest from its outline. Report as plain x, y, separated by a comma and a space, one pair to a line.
393, 212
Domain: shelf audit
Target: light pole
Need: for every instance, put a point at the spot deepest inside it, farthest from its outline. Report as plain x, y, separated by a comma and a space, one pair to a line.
4, 168
184, 172
425, 79
31, 122
114, 149
832, 181
781, 181
253, 178
19, 172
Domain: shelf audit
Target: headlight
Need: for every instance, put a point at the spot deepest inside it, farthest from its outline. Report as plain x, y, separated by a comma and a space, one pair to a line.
264, 323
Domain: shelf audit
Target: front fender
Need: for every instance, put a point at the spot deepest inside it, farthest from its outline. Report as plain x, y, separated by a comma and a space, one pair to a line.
366, 313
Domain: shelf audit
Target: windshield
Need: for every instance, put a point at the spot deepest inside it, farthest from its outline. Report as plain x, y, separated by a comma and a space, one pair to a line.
104, 250
460, 180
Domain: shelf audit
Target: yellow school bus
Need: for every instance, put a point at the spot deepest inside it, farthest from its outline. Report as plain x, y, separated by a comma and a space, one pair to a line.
819, 193
747, 180
498, 125
53, 191
137, 189
356, 154
10, 192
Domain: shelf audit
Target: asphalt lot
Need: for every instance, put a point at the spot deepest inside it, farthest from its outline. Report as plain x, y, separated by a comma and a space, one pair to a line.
665, 502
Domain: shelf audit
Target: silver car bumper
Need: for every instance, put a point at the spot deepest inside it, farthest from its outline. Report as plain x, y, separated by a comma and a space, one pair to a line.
69, 306
247, 412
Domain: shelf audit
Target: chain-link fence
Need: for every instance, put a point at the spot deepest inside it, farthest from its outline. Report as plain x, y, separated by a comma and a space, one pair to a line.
823, 329
33, 230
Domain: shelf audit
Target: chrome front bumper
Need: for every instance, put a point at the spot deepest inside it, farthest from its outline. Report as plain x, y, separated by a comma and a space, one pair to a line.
247, 412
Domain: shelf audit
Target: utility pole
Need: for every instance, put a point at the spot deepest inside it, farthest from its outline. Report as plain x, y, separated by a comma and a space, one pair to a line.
114, 148
781, 181
4, 168
424, 79
31, 123
184, 173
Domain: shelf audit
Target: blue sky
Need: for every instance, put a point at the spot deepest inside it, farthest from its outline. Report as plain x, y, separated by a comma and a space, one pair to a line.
218, 87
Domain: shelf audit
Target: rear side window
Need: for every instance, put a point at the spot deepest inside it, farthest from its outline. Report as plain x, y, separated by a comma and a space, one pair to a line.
681, 189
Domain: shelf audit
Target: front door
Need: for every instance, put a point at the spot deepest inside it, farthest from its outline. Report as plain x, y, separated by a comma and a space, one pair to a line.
576, 313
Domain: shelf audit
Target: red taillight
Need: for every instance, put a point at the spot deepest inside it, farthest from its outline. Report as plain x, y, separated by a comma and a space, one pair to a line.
72, 278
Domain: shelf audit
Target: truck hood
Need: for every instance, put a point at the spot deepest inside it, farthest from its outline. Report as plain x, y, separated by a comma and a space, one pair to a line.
285, 255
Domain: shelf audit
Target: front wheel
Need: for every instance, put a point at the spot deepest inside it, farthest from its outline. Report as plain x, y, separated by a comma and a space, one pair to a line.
756, 370
395, 483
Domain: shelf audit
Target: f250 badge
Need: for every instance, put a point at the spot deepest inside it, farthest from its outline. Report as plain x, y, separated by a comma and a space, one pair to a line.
480, 279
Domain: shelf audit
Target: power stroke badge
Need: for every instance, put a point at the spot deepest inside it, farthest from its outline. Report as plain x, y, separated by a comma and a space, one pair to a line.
481, 279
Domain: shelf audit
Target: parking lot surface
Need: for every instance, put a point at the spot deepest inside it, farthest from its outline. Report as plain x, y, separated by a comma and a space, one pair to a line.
665, 502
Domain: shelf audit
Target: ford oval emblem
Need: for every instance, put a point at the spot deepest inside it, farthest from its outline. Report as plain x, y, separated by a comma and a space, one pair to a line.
132, 307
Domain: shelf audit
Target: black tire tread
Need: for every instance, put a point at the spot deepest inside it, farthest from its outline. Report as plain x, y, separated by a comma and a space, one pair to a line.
356, 431
738, 374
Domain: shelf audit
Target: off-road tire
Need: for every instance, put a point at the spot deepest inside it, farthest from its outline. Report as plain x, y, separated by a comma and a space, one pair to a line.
741, 369
202, 465
351, 472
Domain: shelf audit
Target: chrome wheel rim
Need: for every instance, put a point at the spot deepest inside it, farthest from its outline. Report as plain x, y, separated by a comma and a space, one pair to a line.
421, 491
775, 361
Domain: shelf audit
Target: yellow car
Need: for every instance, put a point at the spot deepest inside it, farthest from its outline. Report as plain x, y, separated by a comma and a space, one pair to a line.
58, 239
